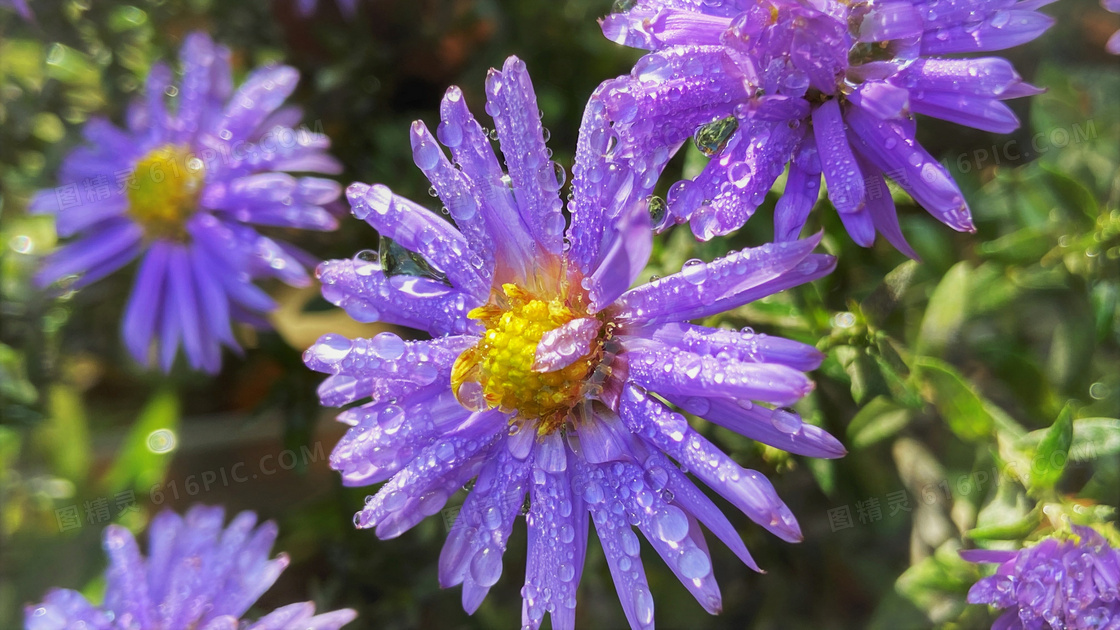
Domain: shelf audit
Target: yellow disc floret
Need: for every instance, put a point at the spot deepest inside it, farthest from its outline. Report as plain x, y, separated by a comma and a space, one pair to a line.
163, 191
502, 362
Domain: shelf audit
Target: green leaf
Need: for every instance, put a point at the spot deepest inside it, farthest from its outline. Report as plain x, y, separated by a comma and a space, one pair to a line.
866, 380
148, 447
1023, 246
65, 434
948, 306
877, 420
955, 399
1093, 438
1017, 529
885, 298
896, 373
1010, 515
1053, 452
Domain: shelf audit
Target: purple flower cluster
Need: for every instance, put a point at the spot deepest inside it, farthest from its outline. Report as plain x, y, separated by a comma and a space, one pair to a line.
829, 88
197, 576
548, 375
1068, 582
180, 189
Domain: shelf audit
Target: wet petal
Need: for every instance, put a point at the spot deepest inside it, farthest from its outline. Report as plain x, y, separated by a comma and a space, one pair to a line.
748, 490
560, 347
705, 288
557, 526
513, 104
418, 229
368, 295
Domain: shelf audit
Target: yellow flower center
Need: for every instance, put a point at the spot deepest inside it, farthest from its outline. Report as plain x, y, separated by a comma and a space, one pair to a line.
163, 191
498, 371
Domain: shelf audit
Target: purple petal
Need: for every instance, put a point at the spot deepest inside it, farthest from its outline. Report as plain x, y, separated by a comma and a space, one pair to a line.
279, 199
423, 486
1004, 29
560, 347
769, 426
471, 150
482, 528
667, 370
745, 345
64, 608
620, 544
890, 20
383, 365
982, 113
881, 206
108, 244
126, 590
748, 490
213, 302
557, 526
197, 57
701, 289
663, 477
845, 183
891, 148
751, 167
201, 349
263, 91
986, 76
803, 186
884, 100
455, 193
626, 251
672, 532
385, 436
368, 295
510, 100
419, 230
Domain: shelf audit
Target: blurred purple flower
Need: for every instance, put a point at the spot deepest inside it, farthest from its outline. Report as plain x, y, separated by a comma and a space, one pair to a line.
348, 8
198, 576
548, 375
1070, 582
828, 87
178, 188
1113, 45
20, 7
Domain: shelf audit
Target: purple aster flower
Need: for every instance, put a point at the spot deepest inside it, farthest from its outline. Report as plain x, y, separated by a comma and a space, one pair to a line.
1113, 45
198, 576
1068, 582
829, 87
180, 189
547, 374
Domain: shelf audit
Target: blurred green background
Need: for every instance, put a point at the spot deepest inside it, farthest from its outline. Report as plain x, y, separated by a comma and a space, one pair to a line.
997, 353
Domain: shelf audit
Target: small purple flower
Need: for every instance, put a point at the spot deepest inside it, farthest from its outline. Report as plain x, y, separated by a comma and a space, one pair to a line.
1067, 582
1113, 45
180, 189
828, 87
547, 373
197, 576
348, 8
